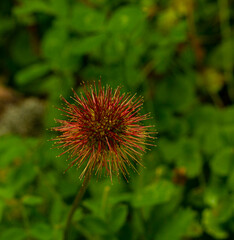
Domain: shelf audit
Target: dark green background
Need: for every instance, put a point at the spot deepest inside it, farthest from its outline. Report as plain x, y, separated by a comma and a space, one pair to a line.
178, 54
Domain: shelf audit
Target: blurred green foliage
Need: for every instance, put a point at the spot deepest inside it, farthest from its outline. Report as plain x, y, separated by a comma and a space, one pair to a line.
178, 54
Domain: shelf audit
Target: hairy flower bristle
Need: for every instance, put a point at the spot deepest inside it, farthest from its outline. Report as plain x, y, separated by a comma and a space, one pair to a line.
103, 131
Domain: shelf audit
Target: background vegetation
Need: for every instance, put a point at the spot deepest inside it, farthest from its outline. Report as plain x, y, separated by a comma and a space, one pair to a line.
175, 53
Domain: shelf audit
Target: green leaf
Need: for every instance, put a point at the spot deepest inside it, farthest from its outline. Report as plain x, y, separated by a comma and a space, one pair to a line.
171, 87
227, 132
7, 24
78, 215
223, 49
60, 8
211, 140
190, 157
211, 225
212, 195
6, 192
231, 180
21, 46
179, 32
133, 77
176, 226
185, 152
29, 7
115, 49
23, 175
2, 206
95, 225
57, 211
165, 53
223, 161
32, 200
169, 149
86, 44
156, 193
13, 147
126, 20
13, 233
85, 19
227, 114
118, 217
32, 73
54, 42
195, 230
41, 231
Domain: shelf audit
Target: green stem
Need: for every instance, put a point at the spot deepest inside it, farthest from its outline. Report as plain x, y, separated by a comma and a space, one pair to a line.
226, 33
75, 204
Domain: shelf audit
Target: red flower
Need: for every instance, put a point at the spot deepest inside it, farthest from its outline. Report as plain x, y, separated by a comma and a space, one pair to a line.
104, 131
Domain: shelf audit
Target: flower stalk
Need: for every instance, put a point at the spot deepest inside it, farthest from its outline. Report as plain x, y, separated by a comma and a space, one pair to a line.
75, 204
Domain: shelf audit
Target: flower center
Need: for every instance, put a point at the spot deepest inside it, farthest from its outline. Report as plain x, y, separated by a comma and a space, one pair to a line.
104, 128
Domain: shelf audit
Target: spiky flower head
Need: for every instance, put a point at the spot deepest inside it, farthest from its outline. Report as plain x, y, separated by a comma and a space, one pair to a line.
103, 131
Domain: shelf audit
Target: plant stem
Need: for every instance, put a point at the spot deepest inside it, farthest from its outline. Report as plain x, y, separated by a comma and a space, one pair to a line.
75, 204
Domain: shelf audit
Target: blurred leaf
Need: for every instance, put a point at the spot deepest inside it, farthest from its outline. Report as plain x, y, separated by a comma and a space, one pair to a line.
211, 80
41, 231
227, 114
202, 117
179, 92
213, 194
227, 132
6, 192
117, 217
177, 226
60, 7
163, 57
137, 222
28, 7
195, 230
2, 206
85, 19
32, 73
211, 225
57, 212
126, 20
156, 193
32, 200
86, 44
222, 161
7, 24
13, 147
133, 77
231, 180
169, 149
95, 206
115, 48
179, 32
65, 189
190, 157
185, 152
22, 51
13, 233
24, 175
211, 141
216, 57
167, 19
95, 225
78, 215
53, 44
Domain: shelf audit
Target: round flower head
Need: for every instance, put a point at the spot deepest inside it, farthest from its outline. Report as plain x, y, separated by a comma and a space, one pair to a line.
103, 131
